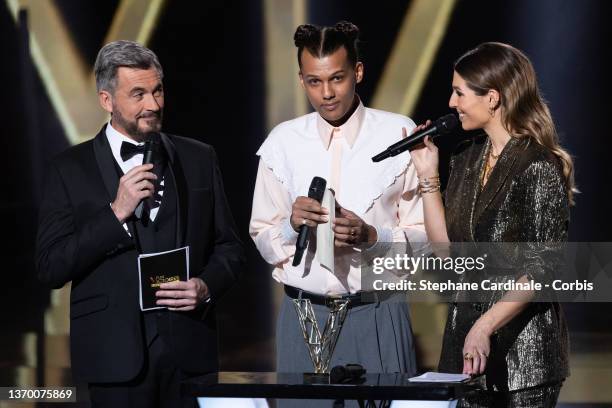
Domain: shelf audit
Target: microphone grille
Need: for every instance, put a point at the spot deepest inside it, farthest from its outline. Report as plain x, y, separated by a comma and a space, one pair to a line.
317, 188
153, 137
447, 123
154, 149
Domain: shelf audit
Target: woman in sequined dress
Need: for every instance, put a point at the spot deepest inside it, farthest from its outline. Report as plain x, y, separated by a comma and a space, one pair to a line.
512, 184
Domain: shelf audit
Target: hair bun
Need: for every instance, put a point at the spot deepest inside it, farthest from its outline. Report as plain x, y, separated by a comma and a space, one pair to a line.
304, 34
347, 28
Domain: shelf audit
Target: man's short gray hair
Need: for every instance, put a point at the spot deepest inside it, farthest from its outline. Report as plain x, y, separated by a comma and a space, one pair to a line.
122, 53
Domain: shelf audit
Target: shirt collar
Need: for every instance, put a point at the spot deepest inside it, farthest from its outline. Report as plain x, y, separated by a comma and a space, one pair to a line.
349, 129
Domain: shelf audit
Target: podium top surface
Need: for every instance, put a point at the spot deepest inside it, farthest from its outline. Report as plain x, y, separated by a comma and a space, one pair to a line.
299, 386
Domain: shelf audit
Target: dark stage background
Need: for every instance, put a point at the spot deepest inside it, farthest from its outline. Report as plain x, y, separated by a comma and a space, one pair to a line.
213, 54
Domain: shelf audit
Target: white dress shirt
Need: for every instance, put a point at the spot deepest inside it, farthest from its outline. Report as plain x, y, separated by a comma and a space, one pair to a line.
383, 194
115, 139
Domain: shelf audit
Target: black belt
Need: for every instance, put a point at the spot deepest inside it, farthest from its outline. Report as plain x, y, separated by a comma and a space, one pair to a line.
356, 299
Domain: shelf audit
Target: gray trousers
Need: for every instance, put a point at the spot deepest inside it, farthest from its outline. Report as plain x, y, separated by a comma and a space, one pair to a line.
377, 335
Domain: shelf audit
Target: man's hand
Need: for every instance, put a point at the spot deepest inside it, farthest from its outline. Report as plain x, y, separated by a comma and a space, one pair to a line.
307, 211
134, 186
182, 296
350, 230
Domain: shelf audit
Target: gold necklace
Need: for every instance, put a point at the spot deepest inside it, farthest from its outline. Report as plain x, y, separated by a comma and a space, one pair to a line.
488, 168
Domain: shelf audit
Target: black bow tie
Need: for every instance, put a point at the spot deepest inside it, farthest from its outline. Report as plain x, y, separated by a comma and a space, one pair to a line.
129, 150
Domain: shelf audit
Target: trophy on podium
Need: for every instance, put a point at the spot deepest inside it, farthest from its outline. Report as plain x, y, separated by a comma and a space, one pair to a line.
321, 345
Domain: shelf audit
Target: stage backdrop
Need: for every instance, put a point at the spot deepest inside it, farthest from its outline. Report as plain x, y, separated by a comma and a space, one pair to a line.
230, 76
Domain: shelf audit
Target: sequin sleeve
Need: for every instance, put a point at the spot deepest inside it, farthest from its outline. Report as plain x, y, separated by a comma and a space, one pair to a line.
546, 219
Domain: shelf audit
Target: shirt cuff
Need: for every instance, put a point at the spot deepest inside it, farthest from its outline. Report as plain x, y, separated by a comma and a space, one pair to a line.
125, 227
384, 238
287, 232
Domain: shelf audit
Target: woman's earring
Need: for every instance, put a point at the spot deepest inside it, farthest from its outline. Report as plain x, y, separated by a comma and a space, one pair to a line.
491, 112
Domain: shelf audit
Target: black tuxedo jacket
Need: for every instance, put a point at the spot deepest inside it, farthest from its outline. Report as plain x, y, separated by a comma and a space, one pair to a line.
81, 241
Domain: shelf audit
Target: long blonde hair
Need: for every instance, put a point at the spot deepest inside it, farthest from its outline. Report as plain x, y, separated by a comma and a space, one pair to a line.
507, 70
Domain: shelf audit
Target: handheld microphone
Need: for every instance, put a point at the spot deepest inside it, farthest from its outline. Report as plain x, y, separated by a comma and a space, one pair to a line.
152, 147
441, 126
347, 373
153, 153
316, 191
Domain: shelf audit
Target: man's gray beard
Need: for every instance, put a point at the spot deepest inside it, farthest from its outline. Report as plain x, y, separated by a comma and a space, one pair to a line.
131, 128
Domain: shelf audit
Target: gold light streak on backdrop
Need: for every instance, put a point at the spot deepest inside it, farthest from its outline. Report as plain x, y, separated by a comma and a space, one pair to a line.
67, 78
412, 55
284, 96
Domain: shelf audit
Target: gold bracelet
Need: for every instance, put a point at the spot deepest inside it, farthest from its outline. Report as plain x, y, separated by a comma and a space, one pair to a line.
429, 189
429, 184
429, 178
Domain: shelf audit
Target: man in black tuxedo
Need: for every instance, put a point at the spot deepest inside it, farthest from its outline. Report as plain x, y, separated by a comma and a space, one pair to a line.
90, 235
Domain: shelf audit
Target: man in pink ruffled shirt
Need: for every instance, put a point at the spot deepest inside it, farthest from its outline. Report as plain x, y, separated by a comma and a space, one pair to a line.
377, 204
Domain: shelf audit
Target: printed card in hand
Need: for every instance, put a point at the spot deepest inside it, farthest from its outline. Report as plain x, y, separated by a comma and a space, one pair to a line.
157, 268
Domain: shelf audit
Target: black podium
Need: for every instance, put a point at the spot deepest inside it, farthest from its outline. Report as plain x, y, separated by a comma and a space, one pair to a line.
385, 387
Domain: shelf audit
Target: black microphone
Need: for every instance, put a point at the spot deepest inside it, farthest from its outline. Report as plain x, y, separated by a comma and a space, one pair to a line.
347, 373
316, 191
153, 154
441, 126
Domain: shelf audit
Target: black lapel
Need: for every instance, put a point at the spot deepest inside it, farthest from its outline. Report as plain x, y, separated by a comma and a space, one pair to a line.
498, 176
108, 170
180, 183
106, 163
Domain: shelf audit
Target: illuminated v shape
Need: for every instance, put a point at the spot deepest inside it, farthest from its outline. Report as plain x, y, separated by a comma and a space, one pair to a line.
68, 80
